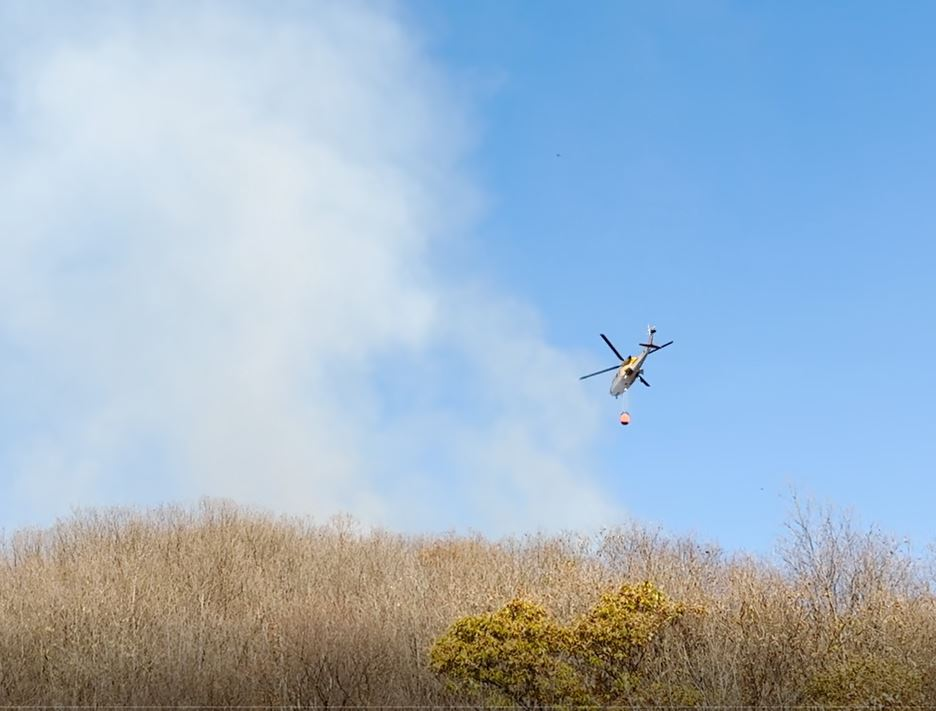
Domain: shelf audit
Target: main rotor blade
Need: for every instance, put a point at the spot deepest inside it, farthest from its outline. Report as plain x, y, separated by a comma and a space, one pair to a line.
643, 381
611, 346
599, 372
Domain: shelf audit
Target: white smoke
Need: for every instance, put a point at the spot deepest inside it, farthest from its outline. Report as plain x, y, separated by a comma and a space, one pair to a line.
217, 229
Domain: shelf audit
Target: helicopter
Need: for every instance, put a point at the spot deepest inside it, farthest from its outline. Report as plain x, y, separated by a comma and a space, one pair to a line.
630, 369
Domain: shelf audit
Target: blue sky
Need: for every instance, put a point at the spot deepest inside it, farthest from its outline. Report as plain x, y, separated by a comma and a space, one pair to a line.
757, 180
353, 257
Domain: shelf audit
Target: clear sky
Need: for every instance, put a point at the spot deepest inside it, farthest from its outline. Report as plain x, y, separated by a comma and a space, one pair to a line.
324, 257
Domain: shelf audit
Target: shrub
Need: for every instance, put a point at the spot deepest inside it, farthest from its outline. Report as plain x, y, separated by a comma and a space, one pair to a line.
519, 654
516, 654
869, 682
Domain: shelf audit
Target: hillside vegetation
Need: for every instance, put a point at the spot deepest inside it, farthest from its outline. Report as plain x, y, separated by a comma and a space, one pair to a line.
223, 606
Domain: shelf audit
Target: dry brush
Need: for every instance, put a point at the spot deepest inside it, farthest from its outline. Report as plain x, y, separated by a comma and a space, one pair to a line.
224, 606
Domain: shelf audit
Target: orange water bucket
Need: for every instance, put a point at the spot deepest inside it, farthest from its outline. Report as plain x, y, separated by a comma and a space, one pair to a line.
625, 418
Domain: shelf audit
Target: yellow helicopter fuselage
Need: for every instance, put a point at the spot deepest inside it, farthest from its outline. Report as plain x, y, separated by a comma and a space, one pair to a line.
627, 374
